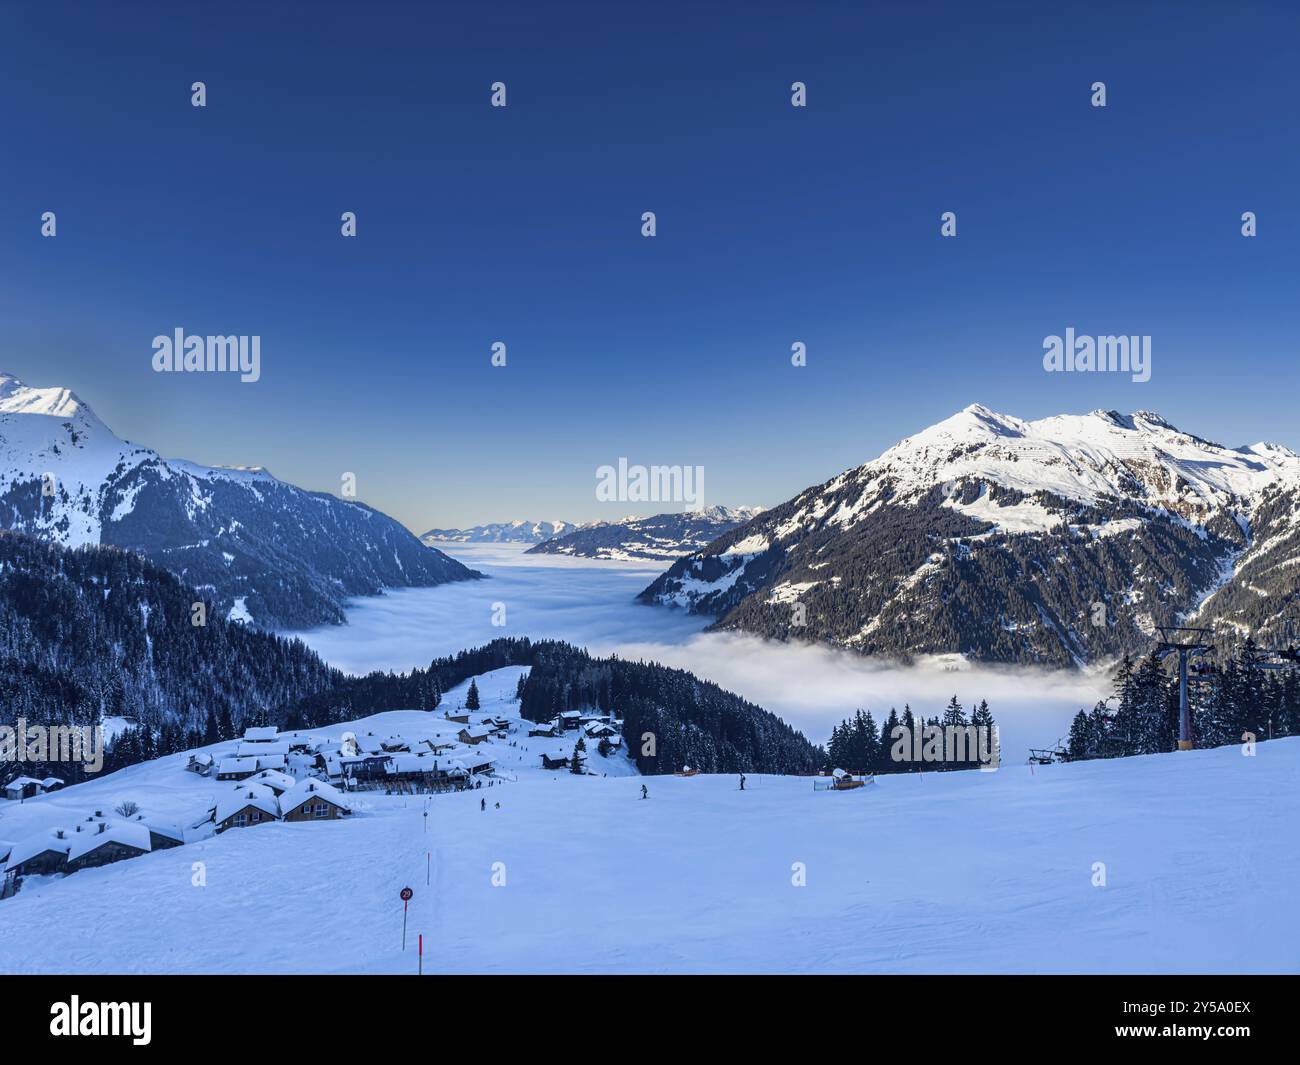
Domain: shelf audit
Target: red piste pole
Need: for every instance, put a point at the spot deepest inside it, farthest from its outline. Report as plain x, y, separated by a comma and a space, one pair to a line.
421, 970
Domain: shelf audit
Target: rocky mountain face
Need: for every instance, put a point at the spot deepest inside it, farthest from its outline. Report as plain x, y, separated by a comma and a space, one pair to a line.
660, 538
503, 532
258, 549
1059, 542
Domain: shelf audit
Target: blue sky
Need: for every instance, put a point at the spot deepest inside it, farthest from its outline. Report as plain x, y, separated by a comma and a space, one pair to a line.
522, 225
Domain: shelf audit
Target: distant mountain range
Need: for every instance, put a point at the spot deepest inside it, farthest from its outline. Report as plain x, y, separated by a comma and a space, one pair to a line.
1060, 541
502, 532
660, 538
258, 549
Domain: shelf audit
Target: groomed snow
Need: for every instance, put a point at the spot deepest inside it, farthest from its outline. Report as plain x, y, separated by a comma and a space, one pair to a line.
959, 872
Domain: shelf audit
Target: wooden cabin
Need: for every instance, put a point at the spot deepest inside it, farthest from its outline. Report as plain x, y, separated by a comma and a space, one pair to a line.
109, 843
314, 800
246, 807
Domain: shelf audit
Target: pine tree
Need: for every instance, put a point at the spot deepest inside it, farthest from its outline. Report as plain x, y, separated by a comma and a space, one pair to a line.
576, 762
1080, 746
471, 697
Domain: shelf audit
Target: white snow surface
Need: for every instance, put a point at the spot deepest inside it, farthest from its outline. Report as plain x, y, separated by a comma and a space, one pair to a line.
50, 432
1086, 458
957, 872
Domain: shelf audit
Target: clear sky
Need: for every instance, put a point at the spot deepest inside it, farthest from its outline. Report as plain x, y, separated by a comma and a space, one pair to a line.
523, 225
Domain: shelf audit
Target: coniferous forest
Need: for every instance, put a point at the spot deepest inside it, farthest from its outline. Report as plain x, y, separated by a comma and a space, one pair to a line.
97, 632
1234, 701
858, 745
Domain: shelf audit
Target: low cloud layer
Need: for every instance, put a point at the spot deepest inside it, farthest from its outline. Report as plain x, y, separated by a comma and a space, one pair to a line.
592, 605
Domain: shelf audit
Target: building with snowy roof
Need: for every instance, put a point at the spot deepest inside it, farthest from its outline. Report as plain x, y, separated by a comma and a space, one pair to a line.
245, 807
261, 734
39, 855
105, 842
313, 800
23, 788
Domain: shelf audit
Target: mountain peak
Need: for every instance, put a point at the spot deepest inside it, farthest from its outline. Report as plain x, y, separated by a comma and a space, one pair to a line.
19, 398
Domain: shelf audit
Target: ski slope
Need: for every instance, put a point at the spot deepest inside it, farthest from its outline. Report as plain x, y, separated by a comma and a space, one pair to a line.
960, 872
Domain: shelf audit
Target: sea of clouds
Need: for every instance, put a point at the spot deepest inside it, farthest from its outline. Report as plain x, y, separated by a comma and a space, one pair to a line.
592, 604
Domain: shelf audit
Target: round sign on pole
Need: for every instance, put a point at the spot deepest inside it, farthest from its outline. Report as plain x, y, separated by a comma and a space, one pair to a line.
406, 894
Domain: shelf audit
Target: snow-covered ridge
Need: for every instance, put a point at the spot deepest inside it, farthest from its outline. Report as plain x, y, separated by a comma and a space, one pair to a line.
987, 524
505, 532
1085, 458
273, 552
659, 537
18, 398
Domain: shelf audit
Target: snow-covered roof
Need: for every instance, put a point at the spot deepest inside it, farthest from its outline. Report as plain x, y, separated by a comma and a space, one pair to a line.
248, 749
229, 805
236, 765
477, 731
34, 845
125, 833
272, 778
307, 790
161, 829
261, 790
402, 762
20, 782
51, 782
260, 734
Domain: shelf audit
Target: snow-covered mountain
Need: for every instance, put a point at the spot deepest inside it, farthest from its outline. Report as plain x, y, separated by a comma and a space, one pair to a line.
661, 538
261, 549
1057, 541
502, 532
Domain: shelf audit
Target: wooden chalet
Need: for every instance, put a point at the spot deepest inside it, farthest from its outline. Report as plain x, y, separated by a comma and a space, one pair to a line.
111, 842
313, 800
245, 807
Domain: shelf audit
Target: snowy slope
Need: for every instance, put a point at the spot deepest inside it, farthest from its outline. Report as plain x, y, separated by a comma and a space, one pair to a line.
957, 872
997, 538
268, 551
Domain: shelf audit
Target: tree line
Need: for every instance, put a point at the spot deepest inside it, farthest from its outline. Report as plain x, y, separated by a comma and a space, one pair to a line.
858, 745
1232, 701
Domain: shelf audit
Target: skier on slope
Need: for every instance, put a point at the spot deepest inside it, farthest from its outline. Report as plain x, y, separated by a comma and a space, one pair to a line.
482, 805
645, 793
742, 781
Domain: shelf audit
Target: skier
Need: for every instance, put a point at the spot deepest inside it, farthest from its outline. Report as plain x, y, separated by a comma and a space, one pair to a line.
498, 806
645, 794
742, 781
482, 805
